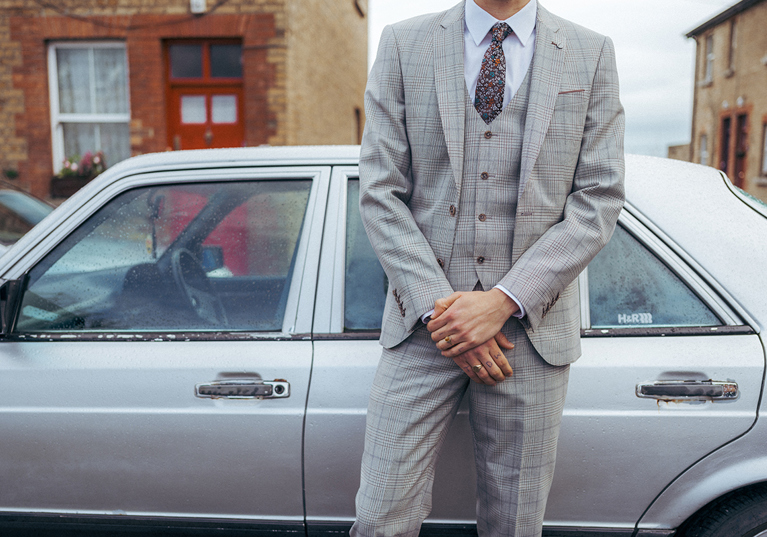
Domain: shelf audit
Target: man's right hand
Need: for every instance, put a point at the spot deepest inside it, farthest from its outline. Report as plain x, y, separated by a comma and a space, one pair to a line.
495, 366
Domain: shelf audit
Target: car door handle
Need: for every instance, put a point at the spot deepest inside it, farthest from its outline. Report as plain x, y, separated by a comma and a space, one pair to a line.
244, 389
695, 390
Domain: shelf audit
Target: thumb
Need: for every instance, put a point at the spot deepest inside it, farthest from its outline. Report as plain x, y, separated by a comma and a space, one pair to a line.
503, 341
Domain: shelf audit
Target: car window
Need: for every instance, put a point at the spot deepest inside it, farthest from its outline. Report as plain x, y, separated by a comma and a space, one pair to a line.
19, 213
631, 287
365, 290
216, 256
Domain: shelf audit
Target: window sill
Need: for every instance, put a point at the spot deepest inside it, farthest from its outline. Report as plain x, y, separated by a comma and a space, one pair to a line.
705, 83
760, 180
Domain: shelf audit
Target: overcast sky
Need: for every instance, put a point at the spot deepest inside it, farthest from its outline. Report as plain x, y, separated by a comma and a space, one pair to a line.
655, 60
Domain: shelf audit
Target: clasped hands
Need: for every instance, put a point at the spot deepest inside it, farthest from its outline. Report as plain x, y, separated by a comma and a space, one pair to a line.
466, 326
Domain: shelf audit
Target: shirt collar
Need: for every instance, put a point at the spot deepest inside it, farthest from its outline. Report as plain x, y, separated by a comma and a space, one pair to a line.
479, 22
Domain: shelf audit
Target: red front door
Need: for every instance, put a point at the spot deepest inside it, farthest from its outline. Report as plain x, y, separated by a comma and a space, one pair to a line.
205, 97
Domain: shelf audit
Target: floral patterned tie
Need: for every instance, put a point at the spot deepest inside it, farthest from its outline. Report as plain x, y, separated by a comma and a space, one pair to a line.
488, 99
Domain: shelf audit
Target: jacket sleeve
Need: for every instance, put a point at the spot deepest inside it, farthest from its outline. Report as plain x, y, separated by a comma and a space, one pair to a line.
386, 185
591, 210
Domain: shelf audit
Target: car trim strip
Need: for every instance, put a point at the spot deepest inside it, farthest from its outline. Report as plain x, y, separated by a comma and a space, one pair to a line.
655, 331
114, 337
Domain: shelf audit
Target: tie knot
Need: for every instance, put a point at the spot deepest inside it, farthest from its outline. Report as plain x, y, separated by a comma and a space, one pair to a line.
501, 31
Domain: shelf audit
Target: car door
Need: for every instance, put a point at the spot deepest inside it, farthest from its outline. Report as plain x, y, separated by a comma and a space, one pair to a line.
160, 360
671, 370
649, 317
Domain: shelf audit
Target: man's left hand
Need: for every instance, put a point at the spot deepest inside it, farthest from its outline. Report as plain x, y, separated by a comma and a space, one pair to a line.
469, 319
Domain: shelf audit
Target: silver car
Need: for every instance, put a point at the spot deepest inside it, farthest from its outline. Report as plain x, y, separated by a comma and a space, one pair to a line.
188, 343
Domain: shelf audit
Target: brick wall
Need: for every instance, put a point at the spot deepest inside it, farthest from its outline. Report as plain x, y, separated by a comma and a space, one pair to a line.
305, 65
738, 87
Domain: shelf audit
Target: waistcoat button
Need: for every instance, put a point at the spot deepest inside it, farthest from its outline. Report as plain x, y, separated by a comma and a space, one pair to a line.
440, 263
482, 217
488, 134
480, 260
452, 210
484, 175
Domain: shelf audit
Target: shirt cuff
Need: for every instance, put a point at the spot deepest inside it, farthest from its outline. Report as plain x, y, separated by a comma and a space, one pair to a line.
426, 317
521, 312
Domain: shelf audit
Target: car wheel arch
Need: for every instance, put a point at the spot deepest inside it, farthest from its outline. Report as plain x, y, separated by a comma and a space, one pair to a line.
730, 471
732, 512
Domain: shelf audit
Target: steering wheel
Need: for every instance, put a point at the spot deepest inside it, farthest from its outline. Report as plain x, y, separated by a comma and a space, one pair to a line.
195, 287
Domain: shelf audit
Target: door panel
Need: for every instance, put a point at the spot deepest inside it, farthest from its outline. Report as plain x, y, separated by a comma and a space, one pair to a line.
617, 451
109, 427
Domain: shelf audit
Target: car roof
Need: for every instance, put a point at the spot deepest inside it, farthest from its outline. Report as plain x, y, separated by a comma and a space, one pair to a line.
698, 208
239, 157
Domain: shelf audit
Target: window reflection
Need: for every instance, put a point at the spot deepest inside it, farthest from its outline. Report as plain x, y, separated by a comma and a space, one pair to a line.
184, 257
629, 286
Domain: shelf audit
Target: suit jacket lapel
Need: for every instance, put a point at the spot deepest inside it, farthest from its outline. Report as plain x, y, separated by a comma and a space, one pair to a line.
548, 62
450, 84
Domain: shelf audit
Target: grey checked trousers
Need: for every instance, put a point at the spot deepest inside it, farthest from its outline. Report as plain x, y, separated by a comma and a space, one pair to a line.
515, 425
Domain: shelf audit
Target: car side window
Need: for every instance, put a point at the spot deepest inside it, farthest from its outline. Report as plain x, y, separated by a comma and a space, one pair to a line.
213, 256
630, 287
366, 283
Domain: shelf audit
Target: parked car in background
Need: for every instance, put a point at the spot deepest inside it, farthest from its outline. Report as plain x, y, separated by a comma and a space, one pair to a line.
19, 212
189, 341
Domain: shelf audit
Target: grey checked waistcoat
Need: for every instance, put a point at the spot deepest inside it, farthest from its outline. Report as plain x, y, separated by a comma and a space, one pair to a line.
489, 190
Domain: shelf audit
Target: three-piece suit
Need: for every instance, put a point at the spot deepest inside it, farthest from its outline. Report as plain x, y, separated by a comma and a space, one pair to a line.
451, 203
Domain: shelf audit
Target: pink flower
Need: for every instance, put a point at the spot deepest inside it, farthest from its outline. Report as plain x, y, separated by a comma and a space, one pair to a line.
73, 167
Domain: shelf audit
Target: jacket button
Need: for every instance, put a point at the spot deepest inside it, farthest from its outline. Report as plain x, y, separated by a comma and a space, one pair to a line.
482, 218
488, 134
484, 176
440, 263
452, 210
480, 260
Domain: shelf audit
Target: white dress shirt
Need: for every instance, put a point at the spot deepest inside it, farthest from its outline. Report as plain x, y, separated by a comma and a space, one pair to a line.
518, 49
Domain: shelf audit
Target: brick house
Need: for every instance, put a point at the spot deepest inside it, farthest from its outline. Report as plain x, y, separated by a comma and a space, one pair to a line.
135, 76
729, 125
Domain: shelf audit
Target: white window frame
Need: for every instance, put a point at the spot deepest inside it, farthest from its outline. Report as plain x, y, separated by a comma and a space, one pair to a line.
708, 72
704, 154
764, 149
58, 118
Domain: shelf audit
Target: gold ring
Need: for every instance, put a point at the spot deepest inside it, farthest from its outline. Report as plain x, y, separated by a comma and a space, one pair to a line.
476, 368
447, 340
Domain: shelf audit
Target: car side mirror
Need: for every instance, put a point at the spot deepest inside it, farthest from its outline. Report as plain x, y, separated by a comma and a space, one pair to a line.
10, 300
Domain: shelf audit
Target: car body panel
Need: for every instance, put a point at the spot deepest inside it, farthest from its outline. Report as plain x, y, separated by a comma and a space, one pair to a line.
605, 425
739, 464
91, 406
101, 427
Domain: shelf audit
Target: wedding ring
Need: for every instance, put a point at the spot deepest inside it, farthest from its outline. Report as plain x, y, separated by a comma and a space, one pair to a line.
476, 368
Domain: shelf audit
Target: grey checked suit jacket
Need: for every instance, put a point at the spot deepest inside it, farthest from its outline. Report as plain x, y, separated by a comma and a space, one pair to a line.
571, 179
